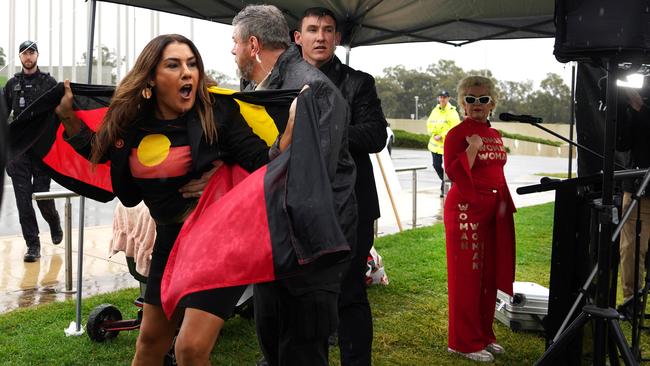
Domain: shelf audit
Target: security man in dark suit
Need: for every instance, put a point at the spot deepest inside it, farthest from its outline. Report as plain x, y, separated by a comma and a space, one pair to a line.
319, 37
27, 176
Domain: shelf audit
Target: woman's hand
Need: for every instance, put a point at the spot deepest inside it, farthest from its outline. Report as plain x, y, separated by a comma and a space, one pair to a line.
195, 187
65, 112
285, 140
475, 141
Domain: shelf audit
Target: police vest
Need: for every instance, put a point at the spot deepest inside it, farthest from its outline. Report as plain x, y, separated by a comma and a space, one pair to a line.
27, 89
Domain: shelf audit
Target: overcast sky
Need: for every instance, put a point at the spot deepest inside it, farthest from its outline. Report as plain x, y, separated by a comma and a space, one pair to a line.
516, 60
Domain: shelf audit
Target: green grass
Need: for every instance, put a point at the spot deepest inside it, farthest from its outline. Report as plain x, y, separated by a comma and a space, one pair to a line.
410, 140
3, 80
420, 141
410, 314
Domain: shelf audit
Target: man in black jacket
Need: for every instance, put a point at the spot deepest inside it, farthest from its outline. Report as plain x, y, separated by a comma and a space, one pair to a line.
295, 316
319, 37
26, 174
633, 135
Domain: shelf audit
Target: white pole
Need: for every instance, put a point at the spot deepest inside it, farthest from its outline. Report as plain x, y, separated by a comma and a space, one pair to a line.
126, 39
192, 29
100, 47
135, 26
118, 51
157, 23
60, 74
151, 25
11, 50
416, 107
29, 20
49, 39
74, 40
36, 23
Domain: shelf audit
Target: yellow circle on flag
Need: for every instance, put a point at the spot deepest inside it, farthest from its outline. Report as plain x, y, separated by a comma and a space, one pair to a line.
153, 149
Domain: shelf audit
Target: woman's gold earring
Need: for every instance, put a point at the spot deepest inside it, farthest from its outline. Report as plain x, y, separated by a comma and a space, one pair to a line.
146, 92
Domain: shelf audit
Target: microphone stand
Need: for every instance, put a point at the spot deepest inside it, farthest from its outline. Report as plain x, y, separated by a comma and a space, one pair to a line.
573, 143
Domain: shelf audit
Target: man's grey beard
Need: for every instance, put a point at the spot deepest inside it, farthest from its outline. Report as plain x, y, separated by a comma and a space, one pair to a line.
246, 71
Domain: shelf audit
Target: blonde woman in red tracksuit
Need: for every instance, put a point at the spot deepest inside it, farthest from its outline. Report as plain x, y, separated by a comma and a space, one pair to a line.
478, 223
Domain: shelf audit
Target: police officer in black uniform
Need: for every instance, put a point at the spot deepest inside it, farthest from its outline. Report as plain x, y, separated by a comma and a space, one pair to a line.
26, 174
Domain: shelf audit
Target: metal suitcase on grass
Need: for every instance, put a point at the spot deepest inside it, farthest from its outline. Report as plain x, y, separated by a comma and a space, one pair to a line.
526, 309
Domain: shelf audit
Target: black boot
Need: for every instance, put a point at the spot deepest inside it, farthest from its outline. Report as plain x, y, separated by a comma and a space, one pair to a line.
56, 233
33, 253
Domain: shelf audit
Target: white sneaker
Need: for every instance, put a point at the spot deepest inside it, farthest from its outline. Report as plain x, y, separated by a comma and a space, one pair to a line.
495, 348
481, 356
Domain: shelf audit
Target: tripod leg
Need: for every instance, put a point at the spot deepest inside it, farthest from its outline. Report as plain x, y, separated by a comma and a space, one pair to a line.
564, 339
617, 333
644, 291
612, 352
637, 276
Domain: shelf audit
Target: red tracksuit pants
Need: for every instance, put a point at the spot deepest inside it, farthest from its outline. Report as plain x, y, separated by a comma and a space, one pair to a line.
470, 231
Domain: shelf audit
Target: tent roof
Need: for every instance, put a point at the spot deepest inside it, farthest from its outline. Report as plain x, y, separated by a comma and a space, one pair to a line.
371, 22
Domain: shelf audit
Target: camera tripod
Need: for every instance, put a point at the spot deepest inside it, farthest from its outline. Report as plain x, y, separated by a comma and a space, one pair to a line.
605, 318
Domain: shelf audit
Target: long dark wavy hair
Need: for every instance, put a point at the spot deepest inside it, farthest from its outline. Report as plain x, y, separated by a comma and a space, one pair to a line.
128, 104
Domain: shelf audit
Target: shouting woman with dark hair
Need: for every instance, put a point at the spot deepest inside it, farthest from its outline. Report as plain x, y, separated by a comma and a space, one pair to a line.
162, 130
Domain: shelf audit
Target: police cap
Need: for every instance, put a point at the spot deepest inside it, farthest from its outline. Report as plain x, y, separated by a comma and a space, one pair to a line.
27, 45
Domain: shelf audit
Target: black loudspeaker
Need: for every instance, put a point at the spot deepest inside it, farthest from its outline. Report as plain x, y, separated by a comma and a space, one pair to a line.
593, 29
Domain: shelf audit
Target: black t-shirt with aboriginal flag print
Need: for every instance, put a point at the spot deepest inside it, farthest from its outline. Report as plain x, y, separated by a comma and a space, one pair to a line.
161, 163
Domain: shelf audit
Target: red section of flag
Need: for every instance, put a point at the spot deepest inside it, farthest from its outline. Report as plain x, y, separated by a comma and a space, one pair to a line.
65, 160
176, 164
246, 256
92, 117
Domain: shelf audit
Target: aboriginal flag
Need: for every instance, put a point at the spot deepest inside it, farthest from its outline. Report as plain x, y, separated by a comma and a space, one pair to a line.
268, 225
277, 221
38, 131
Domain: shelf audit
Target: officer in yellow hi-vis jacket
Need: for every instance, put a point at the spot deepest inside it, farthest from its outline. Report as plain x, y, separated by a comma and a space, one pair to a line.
442, 119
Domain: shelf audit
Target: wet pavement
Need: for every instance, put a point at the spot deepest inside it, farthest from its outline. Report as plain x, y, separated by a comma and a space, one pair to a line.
28, 284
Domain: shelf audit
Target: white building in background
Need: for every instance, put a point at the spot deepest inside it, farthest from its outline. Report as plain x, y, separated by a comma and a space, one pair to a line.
76, 74
60, 28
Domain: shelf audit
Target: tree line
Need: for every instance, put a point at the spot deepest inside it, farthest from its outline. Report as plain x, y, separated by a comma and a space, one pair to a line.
398, 86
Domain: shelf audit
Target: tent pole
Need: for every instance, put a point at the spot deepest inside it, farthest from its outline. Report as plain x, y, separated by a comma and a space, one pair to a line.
91, 39
89, 60
347, 55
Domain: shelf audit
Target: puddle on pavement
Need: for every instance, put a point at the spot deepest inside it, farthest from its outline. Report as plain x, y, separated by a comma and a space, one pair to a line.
29, 297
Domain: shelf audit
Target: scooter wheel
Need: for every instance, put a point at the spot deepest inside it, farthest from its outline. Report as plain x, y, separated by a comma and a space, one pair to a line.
99, 321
